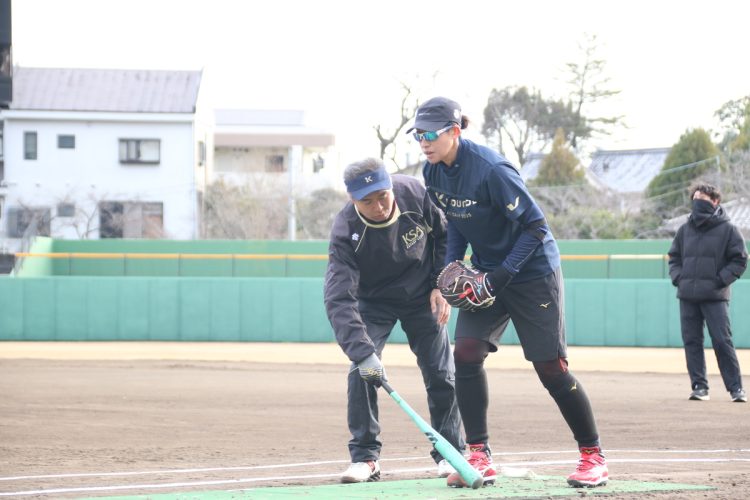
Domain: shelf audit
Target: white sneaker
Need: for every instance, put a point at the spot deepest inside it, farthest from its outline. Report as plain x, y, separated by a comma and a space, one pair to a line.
445, 469
361, 472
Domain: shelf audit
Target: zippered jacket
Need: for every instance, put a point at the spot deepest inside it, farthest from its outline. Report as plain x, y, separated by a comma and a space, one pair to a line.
396, 261
488, 206
706, 258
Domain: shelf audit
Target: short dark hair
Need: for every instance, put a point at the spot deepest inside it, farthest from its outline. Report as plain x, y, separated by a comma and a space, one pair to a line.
708, 189
360, 167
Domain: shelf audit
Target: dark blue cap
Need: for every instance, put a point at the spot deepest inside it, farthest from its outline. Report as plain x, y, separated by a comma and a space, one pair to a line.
436, 113
369, 182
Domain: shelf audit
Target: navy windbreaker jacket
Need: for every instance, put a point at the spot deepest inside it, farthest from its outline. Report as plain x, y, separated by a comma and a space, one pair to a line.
488, 206
396, 261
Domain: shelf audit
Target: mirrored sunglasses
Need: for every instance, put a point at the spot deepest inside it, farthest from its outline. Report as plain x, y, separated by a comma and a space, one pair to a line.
430, 136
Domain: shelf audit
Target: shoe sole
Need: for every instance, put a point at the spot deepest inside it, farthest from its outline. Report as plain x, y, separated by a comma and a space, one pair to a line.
700, 398
576, 484
374, 477
739, 400
579, 484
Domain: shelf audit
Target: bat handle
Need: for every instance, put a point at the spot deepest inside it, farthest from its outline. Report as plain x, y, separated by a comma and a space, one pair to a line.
386, 386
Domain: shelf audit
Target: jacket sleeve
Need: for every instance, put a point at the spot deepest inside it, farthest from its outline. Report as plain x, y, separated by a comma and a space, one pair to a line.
509, 194
341, 297
456, 245
439, 234
736, 258
675, 257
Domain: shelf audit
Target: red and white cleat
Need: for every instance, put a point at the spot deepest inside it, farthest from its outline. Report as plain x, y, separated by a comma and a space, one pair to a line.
481, 459
591, 471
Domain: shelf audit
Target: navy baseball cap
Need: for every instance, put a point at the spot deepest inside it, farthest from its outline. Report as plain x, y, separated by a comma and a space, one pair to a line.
436, 113
369, 182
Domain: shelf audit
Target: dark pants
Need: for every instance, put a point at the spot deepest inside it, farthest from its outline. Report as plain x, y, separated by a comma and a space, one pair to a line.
431, 345
715, 314
537, 309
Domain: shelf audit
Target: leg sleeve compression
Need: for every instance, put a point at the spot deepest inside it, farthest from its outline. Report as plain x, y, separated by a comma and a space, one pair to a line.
570, 397
472, 393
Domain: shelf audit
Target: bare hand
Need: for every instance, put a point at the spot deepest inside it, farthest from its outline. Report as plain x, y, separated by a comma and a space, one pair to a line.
440, 308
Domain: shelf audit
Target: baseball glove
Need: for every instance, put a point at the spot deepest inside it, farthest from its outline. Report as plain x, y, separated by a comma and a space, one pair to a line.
464, 287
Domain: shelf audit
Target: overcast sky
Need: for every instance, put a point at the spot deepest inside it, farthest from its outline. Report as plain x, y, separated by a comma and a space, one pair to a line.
342, 61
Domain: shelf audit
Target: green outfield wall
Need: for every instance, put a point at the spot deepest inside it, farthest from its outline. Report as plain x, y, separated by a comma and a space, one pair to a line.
239, 258
614, 312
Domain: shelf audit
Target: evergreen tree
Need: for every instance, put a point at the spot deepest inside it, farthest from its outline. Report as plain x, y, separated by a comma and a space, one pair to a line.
691, 157
560, 167
734, 118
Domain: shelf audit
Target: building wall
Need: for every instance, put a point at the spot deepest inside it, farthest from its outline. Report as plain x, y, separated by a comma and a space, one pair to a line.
92, 171
240, 165
203, 157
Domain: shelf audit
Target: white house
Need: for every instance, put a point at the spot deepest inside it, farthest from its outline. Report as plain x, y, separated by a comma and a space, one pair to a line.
94, 153
271, 144
274, 151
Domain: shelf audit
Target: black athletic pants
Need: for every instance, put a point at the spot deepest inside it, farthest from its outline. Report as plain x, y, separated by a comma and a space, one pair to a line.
715, 314
431, 345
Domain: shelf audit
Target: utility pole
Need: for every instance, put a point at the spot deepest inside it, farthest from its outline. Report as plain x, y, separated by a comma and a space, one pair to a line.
295, 160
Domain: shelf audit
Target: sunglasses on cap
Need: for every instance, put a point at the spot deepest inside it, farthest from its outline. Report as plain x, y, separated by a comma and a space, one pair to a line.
431, 136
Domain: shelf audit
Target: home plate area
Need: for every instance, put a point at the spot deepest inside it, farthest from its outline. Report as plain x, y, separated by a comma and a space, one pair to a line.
429, 489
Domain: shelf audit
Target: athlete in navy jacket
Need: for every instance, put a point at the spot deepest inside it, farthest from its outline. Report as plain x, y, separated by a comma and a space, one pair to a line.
488, 207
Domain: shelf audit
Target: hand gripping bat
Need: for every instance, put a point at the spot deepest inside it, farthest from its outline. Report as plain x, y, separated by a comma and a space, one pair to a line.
469, 474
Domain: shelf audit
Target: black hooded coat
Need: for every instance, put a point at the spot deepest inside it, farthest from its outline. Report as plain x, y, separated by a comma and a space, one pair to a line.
707, 255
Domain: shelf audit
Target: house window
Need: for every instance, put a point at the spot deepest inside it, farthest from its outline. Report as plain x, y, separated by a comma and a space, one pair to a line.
34, 221
110, 219
66, 210
201, 153
318, 163
66, 141
140, 151
131, 219
274, 163
29, 145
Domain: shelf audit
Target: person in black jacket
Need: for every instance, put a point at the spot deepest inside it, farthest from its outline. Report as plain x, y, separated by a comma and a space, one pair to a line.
386, 250
708, 254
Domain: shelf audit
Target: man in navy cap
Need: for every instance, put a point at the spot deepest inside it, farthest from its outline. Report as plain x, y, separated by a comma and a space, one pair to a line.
386, 250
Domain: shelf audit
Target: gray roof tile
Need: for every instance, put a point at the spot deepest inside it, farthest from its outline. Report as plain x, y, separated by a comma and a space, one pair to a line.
109, 90
627, 171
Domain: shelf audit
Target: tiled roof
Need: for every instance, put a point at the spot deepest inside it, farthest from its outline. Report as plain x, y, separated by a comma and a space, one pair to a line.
533, 163
109, 90
530, 168
627, 171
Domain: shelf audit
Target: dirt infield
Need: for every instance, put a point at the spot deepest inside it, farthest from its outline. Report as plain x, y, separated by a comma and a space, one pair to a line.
100, 420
